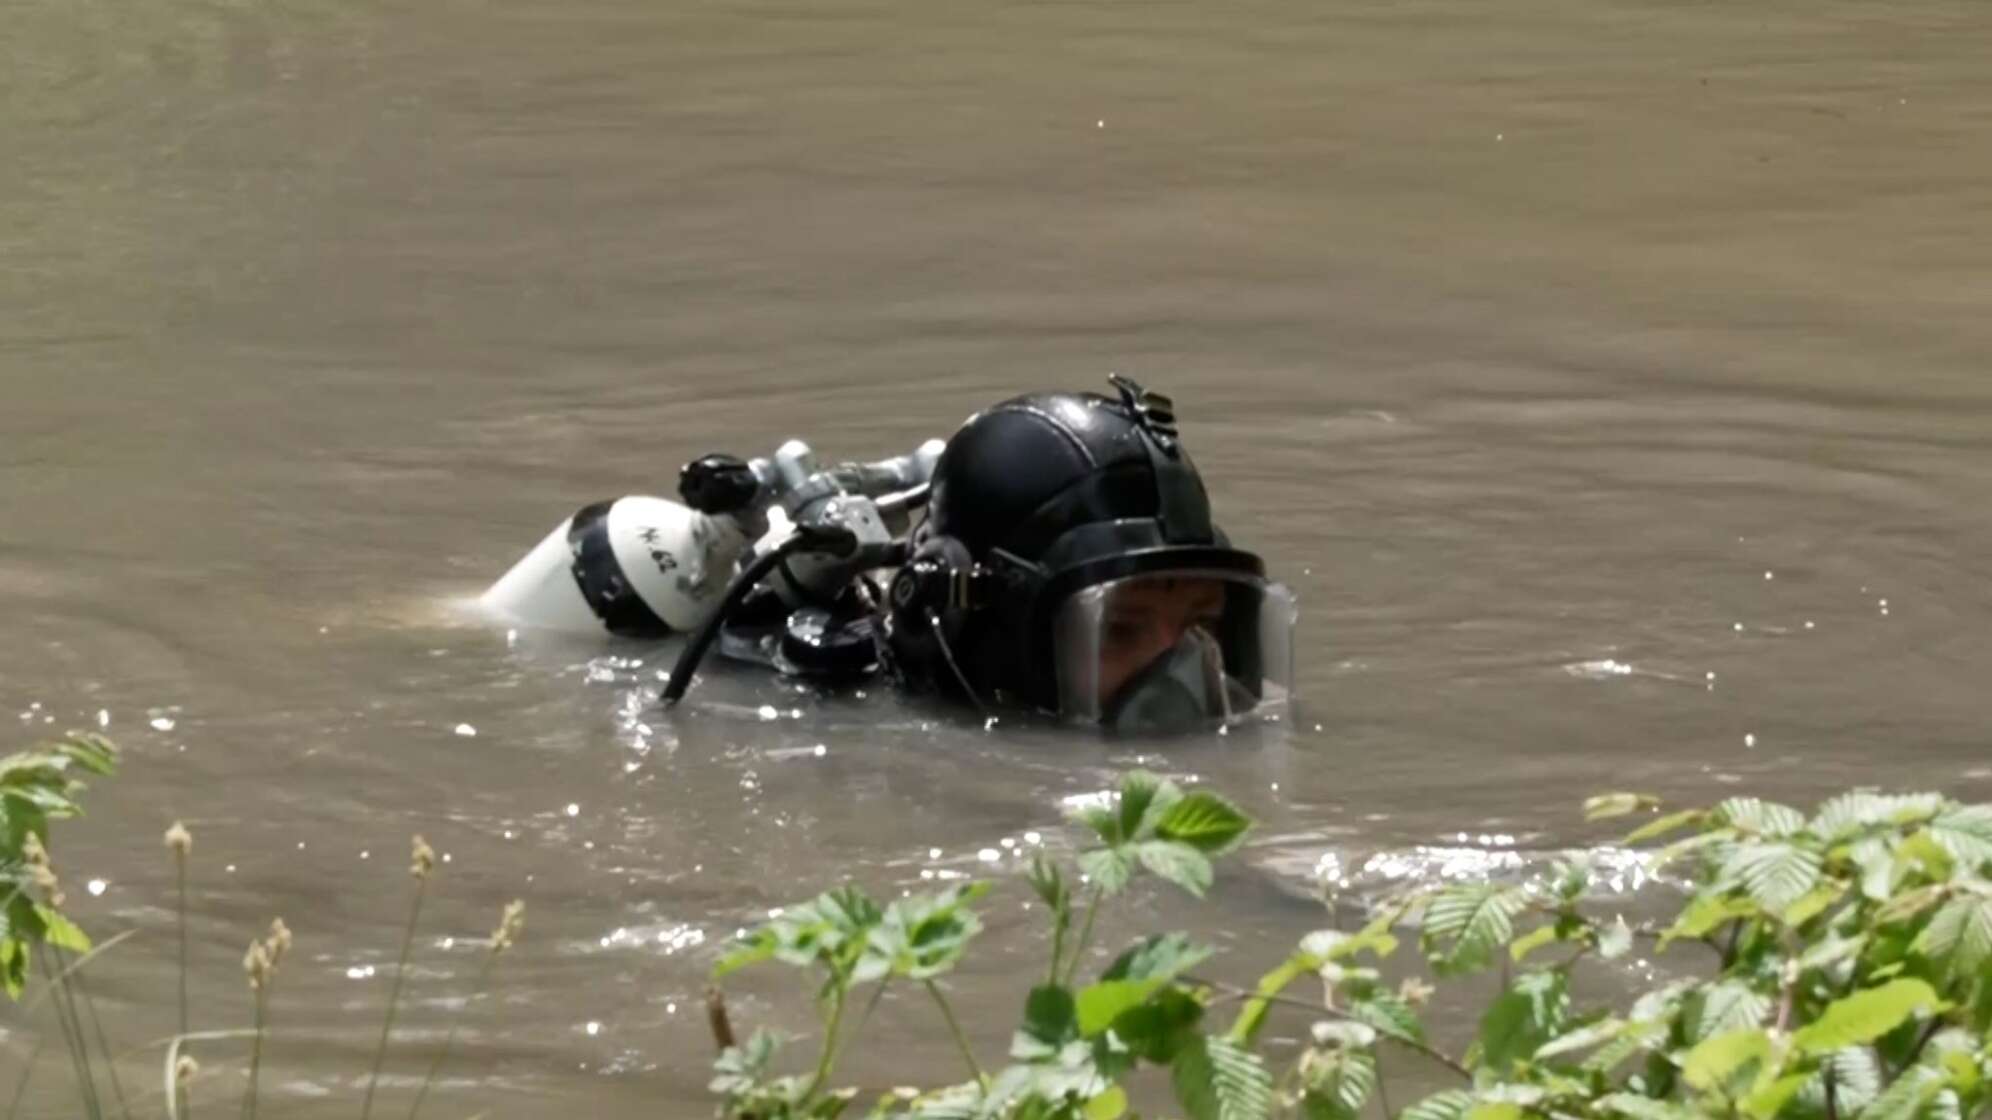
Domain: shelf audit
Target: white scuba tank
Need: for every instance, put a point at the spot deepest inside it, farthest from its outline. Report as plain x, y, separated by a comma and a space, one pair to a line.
638, 567
646, 567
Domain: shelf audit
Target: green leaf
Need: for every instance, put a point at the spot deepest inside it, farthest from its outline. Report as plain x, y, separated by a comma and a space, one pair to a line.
1876, 861
757, 946
1608, 805
1856, 1082
1204, 821
1326, 945
1529, 942
1216, 1079
1521, 1019
1107, 869
1177, 862
1776, 873
1910, 903
1634, 1038
849, 911
1701, 843
49, 800
1050, 1021
61, 932
1143, 799
1636, 1107
1615, 940
1965, 833
1449, 1104
1162, 956
1470, 921
1570, 878
1763, 818
1705, 913
1905, 1099
1661, 826
1711, 1064
1831, 949
1337, 1083
741, 1069
91, 751
1049, 883
1768, 1099
1959, 938
1850, 813
1723, 1008
1104, 822
1814, 903
1583, 1038
1157, 1030
1494, 1110
1390, 1014
1866, 1016
1102, 1003
13, 966
1108, 1105
1921, 852
922, 936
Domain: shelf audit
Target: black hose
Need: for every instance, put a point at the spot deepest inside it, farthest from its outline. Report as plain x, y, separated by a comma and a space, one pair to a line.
835, 540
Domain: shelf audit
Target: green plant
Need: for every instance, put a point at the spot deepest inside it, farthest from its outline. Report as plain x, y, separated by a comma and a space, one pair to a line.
1845, 971
42, 784
37, 786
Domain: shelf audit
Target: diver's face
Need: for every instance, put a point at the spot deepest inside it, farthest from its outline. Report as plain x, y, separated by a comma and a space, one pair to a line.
1144, 619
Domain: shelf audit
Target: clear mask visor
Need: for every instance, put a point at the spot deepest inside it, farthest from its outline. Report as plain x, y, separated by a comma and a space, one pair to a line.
1174, 651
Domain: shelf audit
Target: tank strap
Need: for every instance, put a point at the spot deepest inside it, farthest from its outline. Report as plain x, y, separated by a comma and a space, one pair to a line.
602, 581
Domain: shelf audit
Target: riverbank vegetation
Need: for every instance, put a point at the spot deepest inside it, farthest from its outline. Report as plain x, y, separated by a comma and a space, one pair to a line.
1835, 965
46, 959
1845, 972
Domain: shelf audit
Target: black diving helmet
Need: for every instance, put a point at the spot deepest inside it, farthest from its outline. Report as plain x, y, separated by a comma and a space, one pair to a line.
1069, 564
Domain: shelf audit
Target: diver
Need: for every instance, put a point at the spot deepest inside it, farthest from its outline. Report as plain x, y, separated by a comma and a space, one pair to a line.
1067, 563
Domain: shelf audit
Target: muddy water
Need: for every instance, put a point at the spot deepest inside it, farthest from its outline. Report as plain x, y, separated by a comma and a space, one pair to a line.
1609, 379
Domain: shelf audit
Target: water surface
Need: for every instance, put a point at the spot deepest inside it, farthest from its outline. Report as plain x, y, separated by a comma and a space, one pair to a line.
1608, 378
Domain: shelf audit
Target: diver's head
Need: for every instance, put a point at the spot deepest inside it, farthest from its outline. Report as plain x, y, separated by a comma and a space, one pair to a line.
1069, 563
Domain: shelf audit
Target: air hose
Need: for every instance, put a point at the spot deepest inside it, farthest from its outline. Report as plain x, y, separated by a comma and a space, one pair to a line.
833, 539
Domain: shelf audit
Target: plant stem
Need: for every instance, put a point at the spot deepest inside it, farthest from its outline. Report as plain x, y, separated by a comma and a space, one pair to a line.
1382, 1090
255, 1056
954, 1028
180, 858
1908, 1063
1059, 922
394, 996
435, 1067
21, 1089
829, 1055
96, 1026
871, 1004
1085, 935
1233, 991
1788, 996
184, 1098
72, 1035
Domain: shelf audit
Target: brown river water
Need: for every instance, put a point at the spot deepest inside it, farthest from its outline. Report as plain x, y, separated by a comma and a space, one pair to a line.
1609, 378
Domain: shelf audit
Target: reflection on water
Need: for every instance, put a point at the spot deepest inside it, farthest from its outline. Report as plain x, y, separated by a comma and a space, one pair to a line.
1607, 379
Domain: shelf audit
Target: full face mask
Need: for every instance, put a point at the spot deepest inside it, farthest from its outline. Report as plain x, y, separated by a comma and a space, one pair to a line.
1173, 651
1184, 688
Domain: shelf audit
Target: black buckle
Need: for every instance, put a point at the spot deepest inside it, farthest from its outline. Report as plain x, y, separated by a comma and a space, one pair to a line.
969, 590
1154, 412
